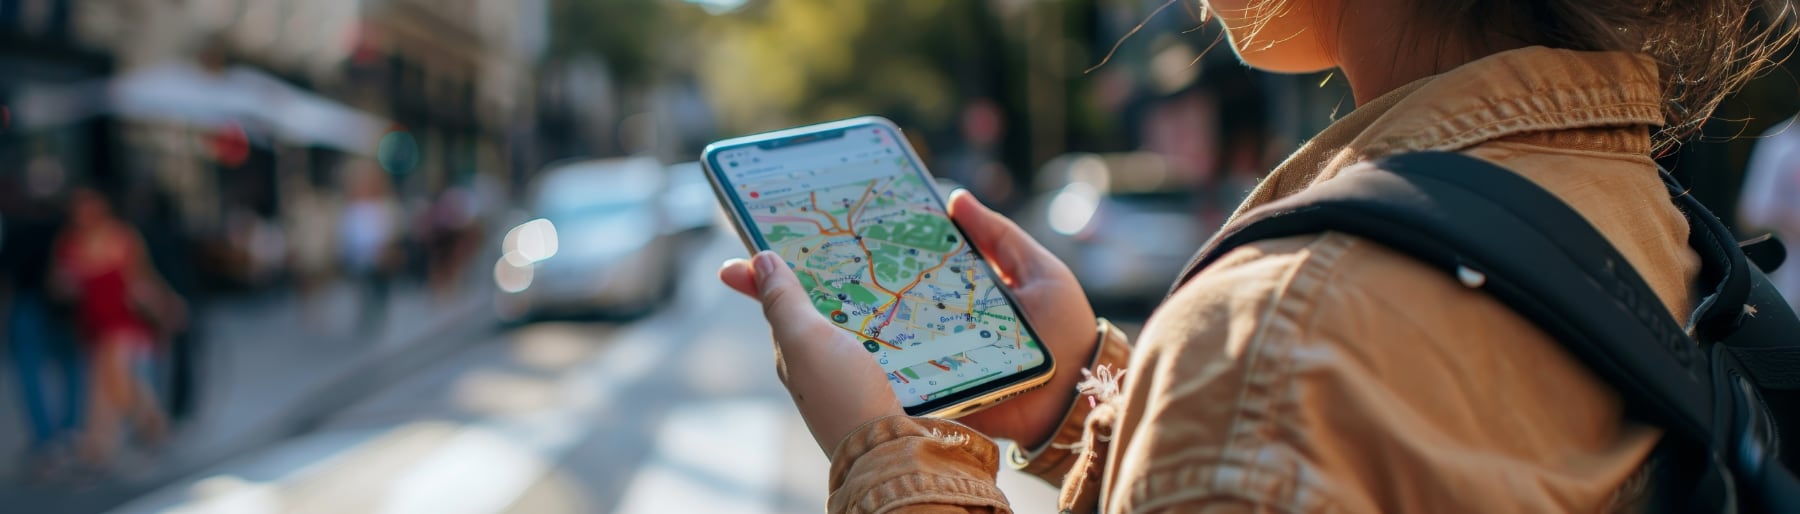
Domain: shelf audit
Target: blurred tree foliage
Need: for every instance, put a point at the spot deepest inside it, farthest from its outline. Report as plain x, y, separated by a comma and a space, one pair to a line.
782, 62
777, 63
626, 33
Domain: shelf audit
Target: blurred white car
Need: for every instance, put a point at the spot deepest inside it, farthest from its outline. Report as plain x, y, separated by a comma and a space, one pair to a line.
693, 208
1124, 225
601, 240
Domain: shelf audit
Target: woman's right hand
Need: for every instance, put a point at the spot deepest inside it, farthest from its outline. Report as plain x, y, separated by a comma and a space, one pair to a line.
1058, 310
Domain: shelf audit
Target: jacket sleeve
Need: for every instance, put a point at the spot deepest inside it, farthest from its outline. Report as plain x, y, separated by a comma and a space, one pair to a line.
926, 465
915, 465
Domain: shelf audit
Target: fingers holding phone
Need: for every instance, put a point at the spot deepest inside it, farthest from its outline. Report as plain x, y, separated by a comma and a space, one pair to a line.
836, 384
1048, 292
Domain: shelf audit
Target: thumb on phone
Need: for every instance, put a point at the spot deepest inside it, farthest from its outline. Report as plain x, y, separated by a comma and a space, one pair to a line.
786, 304
1016, 256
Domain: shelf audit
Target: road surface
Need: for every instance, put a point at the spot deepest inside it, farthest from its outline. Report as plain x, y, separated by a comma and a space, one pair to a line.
677, 412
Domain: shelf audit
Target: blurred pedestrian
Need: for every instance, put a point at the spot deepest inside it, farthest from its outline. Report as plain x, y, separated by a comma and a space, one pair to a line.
153, 211
976, 164
451, 238
46, 359
311, 222
368, 237
1771, 199
123, 308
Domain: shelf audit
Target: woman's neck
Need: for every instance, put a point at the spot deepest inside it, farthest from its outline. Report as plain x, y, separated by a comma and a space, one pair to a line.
1383, 53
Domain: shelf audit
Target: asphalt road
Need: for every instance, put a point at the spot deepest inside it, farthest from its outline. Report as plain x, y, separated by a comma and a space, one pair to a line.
677, 412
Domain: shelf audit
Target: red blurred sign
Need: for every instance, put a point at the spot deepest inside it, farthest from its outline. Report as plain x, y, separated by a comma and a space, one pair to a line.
230, 146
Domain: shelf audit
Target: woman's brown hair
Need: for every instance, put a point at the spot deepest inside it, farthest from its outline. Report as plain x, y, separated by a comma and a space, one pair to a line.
1706, 48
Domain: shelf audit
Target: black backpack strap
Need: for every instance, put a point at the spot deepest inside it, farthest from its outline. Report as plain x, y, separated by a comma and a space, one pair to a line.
1742, 308
1492, 229
1766, 251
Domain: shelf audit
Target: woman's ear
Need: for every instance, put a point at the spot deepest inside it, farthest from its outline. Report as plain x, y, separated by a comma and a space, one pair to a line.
1282, 36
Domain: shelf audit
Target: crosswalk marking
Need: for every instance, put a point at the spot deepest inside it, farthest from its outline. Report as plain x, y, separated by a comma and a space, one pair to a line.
492, 462
714, 457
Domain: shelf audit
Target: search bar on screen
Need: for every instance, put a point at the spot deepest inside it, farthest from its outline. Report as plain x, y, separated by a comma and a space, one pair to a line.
816, 179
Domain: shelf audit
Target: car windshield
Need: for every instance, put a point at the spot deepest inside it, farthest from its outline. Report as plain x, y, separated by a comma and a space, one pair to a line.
1155, 200
584, 193
588, 210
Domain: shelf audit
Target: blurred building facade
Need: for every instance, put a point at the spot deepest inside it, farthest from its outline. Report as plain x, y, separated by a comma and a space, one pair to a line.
222, 112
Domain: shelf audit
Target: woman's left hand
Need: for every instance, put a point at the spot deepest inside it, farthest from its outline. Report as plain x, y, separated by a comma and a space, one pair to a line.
834, 381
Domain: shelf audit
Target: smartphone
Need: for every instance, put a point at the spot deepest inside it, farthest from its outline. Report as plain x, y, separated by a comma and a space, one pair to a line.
850, 207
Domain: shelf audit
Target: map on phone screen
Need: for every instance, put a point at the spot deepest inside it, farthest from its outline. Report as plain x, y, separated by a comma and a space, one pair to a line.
871, 243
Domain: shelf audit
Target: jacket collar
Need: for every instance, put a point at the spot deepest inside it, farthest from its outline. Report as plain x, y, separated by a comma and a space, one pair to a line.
1533, 92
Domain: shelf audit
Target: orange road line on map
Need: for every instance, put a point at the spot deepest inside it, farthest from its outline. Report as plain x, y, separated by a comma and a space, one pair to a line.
815, 223
969, 274
850, 215
869, 258
915, 283
862, 336
814, 198
939, 366
883, 342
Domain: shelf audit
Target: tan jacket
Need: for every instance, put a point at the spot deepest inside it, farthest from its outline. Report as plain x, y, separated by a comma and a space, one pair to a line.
1324, 373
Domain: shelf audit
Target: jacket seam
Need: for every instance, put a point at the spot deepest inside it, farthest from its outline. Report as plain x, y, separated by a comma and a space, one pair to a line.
1324, 250
1340, 246
1453, 138
1253, 352
1575, 98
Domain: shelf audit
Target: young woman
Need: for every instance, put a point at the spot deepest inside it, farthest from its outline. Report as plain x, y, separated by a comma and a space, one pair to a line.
1325, 373
120, 303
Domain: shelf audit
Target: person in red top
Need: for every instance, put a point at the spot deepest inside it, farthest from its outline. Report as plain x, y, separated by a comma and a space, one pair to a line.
120, 304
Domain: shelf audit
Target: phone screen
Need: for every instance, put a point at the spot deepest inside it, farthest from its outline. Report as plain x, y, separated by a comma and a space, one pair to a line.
856, 217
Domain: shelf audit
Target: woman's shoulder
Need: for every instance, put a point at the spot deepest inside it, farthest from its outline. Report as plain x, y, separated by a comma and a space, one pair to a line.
1251, 287
1325, 286
1335, 306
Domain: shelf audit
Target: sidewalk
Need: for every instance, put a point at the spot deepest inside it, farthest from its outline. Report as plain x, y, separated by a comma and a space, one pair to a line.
267, 369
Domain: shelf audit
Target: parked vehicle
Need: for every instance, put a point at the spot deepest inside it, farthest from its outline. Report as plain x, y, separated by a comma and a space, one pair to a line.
693, 209
1122, 222
601, 240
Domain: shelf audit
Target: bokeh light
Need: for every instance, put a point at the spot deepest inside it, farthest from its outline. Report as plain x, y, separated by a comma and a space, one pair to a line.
510, 278
1073, 207
530, 242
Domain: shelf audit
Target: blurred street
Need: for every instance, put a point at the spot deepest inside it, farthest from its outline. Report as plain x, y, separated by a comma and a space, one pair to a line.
676, 412
266, 369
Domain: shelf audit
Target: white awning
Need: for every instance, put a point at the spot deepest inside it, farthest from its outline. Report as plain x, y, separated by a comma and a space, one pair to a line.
178, 92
